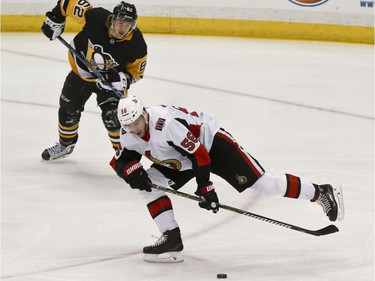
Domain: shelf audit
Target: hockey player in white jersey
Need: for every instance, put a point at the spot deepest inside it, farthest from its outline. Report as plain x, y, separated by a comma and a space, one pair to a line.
184, 145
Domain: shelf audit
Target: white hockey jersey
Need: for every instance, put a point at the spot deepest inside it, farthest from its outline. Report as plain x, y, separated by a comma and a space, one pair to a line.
176, 139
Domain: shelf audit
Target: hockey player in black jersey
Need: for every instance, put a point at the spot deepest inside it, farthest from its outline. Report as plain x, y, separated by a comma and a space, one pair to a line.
113, 45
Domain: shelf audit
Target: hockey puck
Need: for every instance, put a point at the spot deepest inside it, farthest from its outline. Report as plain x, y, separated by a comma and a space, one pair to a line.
221, 276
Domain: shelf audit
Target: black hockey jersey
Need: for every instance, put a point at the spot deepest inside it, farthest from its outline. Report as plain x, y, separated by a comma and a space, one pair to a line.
95, 43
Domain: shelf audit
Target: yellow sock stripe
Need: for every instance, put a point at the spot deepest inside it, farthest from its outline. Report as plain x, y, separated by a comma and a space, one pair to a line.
115, 145
115, 134
64, 136
71, 128
68, 132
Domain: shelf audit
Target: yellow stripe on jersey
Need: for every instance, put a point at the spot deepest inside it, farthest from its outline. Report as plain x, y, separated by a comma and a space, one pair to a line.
75, 9
137, 68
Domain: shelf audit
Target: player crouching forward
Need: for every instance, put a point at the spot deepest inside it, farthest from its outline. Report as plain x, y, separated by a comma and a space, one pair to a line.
183, 145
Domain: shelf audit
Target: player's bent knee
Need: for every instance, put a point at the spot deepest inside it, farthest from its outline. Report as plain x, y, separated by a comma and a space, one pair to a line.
109, 116
69, 118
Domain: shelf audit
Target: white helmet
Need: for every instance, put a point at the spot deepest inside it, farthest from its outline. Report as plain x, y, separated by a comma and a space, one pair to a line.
129, 109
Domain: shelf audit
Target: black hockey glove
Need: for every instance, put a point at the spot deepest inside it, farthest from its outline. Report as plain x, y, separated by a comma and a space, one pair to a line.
137, 177
210, 201
118, 80
53, 26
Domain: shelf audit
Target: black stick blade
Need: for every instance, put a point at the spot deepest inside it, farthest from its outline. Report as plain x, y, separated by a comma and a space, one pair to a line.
327, 230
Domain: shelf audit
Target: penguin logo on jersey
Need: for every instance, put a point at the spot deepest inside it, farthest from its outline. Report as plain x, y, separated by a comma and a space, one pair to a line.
98, 58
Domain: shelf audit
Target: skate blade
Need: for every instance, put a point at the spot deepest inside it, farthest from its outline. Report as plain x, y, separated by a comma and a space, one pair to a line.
170, 257
58, 157
340, 203
51, 158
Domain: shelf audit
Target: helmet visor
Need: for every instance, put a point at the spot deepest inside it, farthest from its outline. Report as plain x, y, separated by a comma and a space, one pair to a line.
124, 17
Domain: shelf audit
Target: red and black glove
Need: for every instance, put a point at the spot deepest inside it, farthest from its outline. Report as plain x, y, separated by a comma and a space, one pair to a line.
210, 201
137, 177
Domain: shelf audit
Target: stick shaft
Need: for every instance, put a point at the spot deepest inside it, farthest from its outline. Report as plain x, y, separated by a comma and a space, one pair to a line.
324, 231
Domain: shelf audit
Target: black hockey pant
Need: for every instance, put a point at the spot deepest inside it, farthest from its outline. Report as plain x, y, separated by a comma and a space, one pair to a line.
228, 160
73, 98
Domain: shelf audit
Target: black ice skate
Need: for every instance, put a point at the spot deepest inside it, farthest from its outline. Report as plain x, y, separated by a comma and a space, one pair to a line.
167, 249
57, 151
332, 201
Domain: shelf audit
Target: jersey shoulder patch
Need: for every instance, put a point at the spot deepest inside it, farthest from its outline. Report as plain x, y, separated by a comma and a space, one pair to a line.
160, 124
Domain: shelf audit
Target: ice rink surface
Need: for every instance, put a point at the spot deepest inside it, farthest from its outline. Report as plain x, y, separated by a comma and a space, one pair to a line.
305, 108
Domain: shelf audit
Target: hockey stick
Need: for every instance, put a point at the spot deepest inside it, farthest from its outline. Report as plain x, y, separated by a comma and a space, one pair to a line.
89, 66
324, 231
